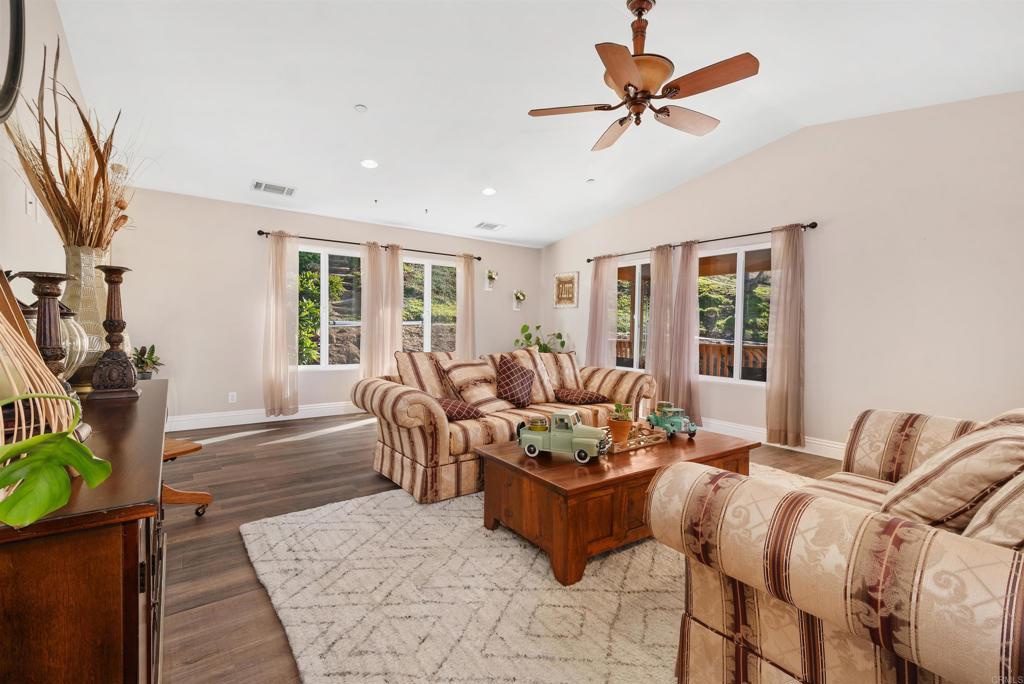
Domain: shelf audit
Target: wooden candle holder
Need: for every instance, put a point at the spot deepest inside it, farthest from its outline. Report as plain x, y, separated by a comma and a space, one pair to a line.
114, 376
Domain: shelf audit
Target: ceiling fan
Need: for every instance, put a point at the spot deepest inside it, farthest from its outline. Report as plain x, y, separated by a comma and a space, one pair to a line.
637, 77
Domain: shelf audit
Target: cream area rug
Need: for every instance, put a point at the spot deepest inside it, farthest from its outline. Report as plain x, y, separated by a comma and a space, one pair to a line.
382, 589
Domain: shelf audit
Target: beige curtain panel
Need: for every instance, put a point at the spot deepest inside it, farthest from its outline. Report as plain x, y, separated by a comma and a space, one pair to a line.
785, 387
281, 328
381, 334
601, 325
465, 308
683, 378
659, 322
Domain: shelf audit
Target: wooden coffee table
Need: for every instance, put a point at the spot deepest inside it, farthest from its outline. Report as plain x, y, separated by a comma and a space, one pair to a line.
574, 512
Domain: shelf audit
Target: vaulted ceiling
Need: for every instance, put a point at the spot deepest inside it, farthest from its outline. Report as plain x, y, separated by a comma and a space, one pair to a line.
219, 93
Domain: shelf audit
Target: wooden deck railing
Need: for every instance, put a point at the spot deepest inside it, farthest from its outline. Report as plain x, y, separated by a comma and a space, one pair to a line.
716, 358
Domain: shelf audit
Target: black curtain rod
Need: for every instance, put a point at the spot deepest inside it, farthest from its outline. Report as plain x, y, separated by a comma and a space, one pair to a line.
263, 233
806, 226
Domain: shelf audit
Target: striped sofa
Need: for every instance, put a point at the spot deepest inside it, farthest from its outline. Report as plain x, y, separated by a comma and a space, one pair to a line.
813, 584
433, 458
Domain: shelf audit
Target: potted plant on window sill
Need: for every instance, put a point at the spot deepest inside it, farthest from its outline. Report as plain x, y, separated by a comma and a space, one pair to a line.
620, 423
146, 362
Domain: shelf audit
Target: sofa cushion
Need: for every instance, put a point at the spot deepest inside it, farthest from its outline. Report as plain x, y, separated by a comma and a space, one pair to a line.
562, 370
514, 382
948, 489
542, 389
579, 396
498, 427
595, 415
474, 382
857, 490
1000, 520
456, 409
420, 370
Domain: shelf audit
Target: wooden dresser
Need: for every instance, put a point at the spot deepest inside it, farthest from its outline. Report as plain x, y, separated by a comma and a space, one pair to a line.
81, 591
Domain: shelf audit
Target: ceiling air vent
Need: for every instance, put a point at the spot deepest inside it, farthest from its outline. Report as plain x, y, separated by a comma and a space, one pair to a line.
489, 227
273, 188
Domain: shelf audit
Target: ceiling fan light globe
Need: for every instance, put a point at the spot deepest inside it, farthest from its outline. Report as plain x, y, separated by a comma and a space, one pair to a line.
654, 69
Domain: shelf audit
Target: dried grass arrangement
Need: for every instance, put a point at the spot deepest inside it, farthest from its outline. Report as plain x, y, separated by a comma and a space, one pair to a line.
81, 180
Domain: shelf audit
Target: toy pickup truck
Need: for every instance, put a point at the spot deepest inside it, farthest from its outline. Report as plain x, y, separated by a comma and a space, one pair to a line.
671, 419
565, 434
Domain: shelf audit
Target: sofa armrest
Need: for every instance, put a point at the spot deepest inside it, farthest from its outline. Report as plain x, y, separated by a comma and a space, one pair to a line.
948, 603
886, 445
621, 386
403, 407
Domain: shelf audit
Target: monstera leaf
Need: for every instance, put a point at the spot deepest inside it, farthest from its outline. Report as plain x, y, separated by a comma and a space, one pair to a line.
41, 475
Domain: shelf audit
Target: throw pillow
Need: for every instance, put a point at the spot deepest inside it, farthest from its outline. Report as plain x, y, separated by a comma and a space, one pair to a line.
562, 370
1000, 520
419, 370
948, 488
579, 396
542, 392
474, 382
514, 382
456, 409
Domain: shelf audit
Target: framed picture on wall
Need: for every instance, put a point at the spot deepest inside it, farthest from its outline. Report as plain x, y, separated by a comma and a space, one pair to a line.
566, 290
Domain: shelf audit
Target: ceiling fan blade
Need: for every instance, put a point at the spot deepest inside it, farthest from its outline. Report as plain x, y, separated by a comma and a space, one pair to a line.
613, 133
715, 76
618, 60
686, 120
551, 111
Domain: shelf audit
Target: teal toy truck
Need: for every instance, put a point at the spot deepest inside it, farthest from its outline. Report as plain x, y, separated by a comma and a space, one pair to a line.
565, 434
671, 419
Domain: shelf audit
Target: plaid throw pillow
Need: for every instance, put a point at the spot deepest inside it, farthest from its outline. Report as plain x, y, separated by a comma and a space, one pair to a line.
514, 382
579, 396
456, 409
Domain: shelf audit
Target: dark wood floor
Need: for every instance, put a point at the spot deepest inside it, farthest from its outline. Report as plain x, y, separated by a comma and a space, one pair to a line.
220, 626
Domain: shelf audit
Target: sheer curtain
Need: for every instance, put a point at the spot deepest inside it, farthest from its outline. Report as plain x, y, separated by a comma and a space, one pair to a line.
281, 328
785, 387
465, 308
601, 326
659, 323
684, 385
381, 334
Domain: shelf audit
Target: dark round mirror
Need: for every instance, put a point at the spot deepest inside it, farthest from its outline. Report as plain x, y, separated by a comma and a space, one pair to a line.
12, 53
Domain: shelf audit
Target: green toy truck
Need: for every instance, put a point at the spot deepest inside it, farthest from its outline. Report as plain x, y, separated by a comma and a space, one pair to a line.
671, 419
566, 434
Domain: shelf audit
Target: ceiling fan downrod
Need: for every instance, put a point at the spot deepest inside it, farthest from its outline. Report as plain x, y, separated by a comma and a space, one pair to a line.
639, 8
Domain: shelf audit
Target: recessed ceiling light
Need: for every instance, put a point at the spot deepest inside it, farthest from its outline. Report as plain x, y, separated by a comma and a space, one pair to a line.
489, 191
360, 108
591, 180
369, 164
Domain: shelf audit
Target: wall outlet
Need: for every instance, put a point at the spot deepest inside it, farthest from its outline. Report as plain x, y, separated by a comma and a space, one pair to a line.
31, 206
232, 397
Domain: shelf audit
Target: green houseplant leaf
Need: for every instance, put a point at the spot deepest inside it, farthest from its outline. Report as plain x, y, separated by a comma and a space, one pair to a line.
43, 484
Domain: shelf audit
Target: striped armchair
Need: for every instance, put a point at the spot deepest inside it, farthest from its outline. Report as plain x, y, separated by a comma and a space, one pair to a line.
433, 458
812, 584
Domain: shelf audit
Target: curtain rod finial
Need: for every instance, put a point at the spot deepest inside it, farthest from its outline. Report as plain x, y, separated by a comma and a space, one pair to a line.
811, 226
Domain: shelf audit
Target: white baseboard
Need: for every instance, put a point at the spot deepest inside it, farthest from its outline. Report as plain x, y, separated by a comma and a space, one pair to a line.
198, 421
812, 445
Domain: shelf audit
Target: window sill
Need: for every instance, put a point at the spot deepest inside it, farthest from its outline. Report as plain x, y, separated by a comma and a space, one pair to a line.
336, 367
732, 381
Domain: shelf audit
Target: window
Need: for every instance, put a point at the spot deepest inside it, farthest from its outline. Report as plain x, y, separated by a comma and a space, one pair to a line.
428, 307
734, 313
329, 299
632, 311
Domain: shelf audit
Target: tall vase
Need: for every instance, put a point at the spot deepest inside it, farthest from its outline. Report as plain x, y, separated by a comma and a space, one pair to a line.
87, 296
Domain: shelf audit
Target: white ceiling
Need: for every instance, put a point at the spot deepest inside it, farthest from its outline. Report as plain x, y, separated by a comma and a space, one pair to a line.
217, 93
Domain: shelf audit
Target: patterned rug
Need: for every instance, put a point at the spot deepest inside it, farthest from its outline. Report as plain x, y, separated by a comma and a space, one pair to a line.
382, 589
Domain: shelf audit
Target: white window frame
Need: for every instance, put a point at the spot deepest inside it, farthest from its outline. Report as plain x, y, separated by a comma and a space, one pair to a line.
325, 323
428, 263
741, 261
637, 265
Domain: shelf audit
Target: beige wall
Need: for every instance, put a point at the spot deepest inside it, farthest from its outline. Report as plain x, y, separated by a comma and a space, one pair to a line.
914, 279
26, 243
198, 290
